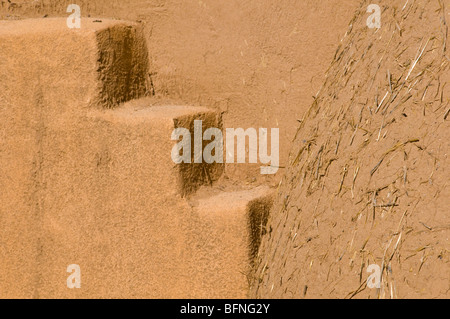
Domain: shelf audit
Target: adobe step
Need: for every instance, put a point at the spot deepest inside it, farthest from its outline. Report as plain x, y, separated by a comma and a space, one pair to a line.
102, 64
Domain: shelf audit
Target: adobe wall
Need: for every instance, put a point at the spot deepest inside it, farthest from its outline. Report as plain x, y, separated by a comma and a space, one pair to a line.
259, 62
86, 181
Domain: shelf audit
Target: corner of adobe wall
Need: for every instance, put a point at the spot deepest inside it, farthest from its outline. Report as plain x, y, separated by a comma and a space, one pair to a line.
123, 64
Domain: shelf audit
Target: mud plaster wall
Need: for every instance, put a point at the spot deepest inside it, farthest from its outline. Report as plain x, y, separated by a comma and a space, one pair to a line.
260, 62
367, 182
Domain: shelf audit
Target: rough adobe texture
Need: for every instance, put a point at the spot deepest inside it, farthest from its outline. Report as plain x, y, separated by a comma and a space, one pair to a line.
122, 64
221, 242
110, 56
83, 183
257, 61
112, 204
194, 175
260, 63
368, 174
40, 94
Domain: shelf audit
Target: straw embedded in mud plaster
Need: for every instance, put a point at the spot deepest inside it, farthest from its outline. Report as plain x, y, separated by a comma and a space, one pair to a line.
384, 93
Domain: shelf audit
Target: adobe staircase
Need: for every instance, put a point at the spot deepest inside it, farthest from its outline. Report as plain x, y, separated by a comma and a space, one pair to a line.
87, 180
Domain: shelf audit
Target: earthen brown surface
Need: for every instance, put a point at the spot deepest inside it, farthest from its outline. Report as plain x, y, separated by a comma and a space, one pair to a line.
368, 176
87, 179
90, 181
258, 62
